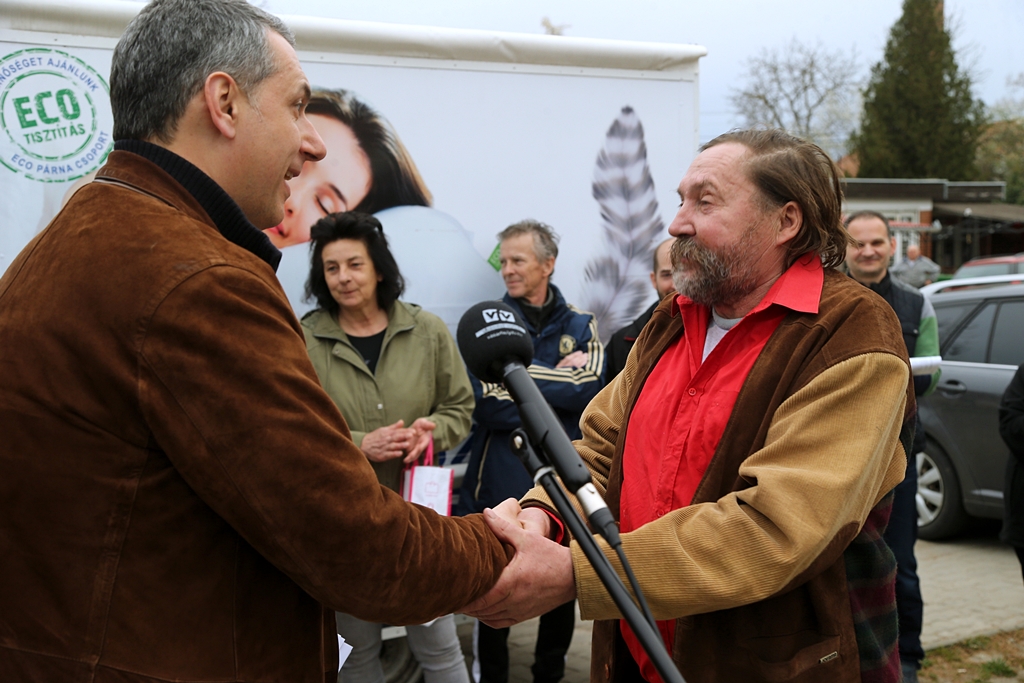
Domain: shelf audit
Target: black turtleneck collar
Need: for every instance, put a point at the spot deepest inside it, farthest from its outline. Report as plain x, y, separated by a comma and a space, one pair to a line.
882, 287
538, 315
219, 206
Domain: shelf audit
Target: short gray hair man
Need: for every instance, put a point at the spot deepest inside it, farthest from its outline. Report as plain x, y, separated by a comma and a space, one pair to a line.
545, 239
170, 499
158, 68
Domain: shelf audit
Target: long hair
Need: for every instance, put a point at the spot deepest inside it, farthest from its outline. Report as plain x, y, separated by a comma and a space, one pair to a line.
352, 225
785, 169
395, 180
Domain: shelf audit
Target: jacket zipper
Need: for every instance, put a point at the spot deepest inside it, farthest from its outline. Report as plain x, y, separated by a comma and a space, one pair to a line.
480, 471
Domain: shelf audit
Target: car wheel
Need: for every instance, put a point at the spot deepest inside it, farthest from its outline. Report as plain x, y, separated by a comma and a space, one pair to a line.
940, 509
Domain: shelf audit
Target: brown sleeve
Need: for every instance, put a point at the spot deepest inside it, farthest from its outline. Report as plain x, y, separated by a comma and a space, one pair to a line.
230, 395
831, 453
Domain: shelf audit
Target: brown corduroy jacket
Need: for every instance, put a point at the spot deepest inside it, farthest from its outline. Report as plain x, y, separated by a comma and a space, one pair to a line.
179, 499
754, 569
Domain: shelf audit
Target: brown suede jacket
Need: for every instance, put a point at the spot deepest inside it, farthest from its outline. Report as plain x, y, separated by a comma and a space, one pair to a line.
179, 499
756, 570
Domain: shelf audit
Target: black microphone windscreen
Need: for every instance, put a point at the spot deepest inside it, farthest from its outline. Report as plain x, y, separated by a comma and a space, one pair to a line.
489, 336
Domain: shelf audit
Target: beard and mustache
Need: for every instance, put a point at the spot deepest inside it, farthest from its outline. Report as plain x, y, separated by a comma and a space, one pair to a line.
712, 277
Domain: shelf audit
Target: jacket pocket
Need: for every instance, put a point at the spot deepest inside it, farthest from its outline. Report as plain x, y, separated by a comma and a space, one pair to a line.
910, 331
778, 659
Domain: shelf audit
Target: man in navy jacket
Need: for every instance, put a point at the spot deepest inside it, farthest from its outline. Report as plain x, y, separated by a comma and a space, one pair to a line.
568, 362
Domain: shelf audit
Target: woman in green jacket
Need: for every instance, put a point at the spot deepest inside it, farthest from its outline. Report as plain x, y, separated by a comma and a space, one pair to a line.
395, 373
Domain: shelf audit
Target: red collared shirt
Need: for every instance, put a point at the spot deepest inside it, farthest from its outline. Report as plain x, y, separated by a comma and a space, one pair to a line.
681, 413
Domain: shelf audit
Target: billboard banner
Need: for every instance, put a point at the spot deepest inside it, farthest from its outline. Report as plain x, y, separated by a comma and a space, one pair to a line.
445, 153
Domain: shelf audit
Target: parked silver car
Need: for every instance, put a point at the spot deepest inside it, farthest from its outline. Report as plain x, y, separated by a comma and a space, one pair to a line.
961, 470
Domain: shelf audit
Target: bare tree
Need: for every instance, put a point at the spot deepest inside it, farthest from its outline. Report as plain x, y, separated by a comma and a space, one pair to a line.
806, 90
1010, 106
1000, 154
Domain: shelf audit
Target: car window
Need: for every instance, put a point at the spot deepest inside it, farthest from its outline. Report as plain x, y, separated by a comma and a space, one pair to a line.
971, 344
949, 316
1007, 346
980, 270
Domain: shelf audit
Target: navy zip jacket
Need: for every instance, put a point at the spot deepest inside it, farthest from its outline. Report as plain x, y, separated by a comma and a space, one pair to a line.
494, 473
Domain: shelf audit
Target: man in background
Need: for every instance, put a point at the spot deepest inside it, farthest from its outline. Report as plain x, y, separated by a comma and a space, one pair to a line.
916, 270
622, 341
568, 360
867, 259
179, 498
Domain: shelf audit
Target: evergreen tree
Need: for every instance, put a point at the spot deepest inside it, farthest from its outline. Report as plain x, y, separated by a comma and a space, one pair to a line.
920, 119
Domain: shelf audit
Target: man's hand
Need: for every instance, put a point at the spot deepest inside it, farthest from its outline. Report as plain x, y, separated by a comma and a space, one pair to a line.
538, 579
509, 510
534, 520
576, 359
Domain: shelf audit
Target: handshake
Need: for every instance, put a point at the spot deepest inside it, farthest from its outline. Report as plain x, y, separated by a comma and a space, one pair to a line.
539, 576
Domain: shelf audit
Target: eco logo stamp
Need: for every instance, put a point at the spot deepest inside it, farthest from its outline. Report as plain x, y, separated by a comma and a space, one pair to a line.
55, 114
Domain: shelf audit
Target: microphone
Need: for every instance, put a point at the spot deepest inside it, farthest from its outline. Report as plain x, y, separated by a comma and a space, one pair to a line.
497, 348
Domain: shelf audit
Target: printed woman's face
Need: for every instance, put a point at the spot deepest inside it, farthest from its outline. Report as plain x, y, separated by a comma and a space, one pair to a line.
338, 183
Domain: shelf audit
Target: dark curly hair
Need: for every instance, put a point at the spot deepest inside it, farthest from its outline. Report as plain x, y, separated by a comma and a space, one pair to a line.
352, 225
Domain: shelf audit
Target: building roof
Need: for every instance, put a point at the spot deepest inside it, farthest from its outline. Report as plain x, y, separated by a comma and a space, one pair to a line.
993, 211
107, 19
935, 189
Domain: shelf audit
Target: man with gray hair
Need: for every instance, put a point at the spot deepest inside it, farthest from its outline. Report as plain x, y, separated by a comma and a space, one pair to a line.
916, 269
568, 360
180, 500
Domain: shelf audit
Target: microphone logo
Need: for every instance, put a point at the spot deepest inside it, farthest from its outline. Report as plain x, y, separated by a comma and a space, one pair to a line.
493, 315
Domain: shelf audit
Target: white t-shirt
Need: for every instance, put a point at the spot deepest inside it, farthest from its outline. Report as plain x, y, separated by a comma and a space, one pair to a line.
717, 329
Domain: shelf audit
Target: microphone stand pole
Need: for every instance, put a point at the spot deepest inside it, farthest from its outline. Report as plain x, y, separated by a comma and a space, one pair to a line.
649, 637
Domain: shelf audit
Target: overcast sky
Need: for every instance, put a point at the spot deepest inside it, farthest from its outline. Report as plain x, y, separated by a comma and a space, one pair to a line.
987, 32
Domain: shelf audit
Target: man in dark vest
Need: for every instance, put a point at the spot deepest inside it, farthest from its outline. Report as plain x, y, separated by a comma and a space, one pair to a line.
749, 448
622, 341
868, 262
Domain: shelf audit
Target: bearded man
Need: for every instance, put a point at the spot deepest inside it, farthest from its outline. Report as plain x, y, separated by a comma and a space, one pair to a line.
749, 448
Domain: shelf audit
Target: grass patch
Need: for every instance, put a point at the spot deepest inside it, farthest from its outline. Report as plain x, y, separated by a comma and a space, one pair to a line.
962, 662
948, 653
998, 667
979, 643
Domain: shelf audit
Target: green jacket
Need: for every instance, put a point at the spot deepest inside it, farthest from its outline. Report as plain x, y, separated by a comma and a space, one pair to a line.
419, 374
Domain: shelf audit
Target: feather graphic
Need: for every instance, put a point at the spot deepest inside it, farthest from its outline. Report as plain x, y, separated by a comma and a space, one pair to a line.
616, 283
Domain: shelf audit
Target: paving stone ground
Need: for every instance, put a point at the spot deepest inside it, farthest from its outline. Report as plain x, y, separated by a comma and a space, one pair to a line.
971, 586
